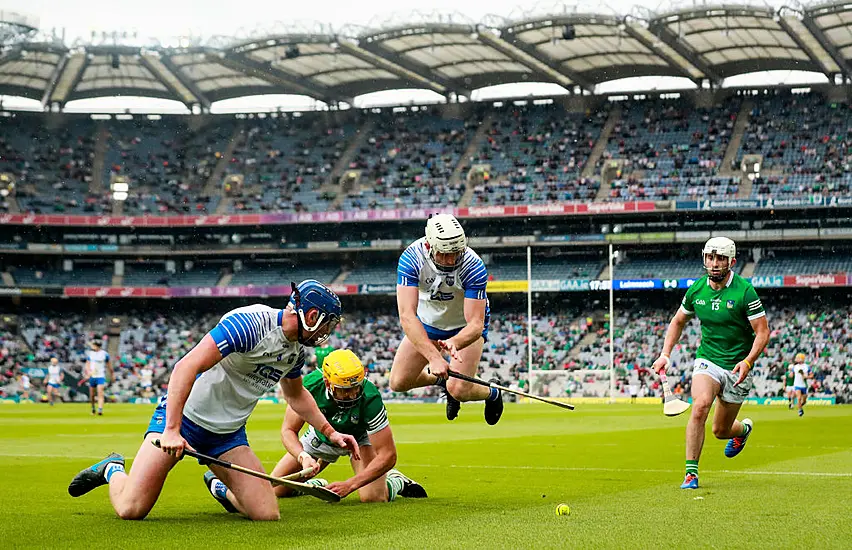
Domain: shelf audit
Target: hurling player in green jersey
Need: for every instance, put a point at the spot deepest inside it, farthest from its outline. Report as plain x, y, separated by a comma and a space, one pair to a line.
352, 404
734, 331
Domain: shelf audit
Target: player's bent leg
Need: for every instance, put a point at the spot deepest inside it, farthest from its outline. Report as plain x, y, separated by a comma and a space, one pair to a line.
726, 426
465, 391
407, 371
133, 495
286, 466
252, 496
377, 490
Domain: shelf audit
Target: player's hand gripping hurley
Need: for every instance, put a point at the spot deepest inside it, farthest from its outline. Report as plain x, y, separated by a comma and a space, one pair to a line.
287, 481
672, 406
473, 380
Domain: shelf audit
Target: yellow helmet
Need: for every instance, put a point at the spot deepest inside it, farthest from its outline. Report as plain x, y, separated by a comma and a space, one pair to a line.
800, 357
344, 377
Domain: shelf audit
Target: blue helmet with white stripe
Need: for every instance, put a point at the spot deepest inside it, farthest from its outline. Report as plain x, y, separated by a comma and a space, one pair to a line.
311, 294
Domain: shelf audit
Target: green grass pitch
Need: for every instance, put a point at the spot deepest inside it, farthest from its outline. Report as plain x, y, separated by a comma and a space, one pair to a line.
618, 467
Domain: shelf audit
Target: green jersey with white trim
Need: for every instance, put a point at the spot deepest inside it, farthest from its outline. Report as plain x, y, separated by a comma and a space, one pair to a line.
725, 315
367, 417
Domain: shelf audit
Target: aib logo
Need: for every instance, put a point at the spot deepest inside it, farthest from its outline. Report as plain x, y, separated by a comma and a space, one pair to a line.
268, 372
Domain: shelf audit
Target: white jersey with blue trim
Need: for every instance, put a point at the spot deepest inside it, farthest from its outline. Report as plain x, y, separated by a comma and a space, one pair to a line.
442, 294
97, 363
800, 378
255, 356
53, 373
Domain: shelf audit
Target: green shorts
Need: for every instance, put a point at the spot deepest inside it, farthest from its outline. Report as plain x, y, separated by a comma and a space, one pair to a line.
321, 450
729, 393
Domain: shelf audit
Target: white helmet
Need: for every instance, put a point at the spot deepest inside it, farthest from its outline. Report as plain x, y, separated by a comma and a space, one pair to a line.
444, 234
722, 246
719, 246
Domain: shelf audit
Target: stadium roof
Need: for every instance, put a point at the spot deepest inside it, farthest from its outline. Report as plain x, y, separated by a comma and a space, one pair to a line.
574, 50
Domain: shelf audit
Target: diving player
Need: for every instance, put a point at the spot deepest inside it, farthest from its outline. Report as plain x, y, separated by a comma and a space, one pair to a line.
443, 308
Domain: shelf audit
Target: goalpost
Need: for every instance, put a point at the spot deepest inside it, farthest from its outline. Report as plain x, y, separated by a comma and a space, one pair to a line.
569, 378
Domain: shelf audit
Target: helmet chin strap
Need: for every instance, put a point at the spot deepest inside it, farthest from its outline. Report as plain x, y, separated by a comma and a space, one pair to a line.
302, 323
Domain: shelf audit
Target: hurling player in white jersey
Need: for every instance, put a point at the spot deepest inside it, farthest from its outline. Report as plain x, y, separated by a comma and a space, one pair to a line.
54, 379
443, 308
801, 374
97, 363
212, 391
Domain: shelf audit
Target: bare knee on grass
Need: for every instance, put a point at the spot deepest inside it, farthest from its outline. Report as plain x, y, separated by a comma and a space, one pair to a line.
255, 496
134, 496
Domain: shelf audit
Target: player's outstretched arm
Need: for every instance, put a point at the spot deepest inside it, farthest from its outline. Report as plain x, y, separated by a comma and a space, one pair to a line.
383, 443
673, 334
303, 403
204, 356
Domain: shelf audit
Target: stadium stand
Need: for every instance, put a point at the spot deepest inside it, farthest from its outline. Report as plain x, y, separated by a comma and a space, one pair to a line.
536, 155
285, 161
408, 159
802, 139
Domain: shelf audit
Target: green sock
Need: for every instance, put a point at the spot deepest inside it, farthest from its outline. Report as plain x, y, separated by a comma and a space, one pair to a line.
692, 467
395, 485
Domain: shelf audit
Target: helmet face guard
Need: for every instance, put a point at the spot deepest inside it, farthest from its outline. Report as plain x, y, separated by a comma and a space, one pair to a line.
317, 296
720, 273
445, 236
445, 268
346, 397
718, 247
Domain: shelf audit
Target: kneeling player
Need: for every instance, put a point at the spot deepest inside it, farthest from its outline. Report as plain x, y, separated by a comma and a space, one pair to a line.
353, 406
212, 392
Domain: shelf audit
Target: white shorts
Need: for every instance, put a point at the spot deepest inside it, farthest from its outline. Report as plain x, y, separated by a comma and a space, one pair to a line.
788, 389
320, 450
729, 393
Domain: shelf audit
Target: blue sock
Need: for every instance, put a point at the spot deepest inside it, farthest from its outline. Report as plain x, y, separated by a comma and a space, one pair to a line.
112, 468
494, 395
220, 489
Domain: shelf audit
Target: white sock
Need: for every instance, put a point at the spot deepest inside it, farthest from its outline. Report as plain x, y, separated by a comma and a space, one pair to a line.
112, 468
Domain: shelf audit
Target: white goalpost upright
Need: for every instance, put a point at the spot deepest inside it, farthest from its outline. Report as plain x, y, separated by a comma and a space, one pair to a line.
529, 321
611, 328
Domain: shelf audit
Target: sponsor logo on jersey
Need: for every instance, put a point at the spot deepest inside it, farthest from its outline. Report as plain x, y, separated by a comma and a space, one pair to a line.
268, 372
700, 303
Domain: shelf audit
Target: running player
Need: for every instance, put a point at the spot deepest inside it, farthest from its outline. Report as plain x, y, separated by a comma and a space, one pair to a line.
801, 374
213, 390
54, 380
353, 406
734, 332
789, 390
97, 364
443, 308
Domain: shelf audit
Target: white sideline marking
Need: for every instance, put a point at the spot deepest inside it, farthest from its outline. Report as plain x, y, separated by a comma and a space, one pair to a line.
635, 470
